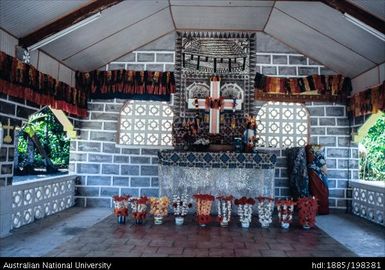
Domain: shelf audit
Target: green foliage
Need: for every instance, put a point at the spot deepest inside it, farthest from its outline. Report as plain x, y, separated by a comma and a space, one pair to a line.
51, 135
372, 158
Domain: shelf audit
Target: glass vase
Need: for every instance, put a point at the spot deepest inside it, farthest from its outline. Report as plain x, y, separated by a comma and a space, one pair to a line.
121, 219
245, 224
158, 220
179, 220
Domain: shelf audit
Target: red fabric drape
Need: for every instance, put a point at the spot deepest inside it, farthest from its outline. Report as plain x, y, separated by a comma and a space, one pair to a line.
21, 80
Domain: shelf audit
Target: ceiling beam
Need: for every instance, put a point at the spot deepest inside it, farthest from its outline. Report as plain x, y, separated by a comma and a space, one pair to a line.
355, 11
66, 21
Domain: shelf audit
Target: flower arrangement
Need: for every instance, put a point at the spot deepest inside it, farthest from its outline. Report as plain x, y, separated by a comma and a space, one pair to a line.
224, 209
265, 210
139, 207
159, 208
245, 210
307, 207
121, 207
180, 204
285, 210
204, 203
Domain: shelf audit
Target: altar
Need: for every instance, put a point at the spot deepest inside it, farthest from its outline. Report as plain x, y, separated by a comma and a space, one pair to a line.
216, 173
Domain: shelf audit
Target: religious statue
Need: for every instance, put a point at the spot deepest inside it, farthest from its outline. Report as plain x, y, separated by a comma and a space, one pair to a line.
250, 134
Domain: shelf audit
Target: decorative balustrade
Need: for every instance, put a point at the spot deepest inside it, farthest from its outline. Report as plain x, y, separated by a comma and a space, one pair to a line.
34, 200
368, 200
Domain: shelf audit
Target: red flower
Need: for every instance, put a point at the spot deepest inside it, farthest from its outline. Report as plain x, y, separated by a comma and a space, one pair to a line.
203, 219
244, 200
225, 198
204, 197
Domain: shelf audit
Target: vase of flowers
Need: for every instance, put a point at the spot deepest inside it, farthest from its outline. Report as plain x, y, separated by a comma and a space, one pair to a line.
204, 203
159, 208
307, 211
285, 210
245, 210
121, 207
138, 207
180, 204
265, 210
224, 204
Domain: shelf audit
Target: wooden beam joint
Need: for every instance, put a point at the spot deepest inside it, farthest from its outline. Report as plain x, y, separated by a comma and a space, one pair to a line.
66, 21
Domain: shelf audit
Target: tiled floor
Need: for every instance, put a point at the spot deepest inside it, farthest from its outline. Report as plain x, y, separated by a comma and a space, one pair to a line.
107, 238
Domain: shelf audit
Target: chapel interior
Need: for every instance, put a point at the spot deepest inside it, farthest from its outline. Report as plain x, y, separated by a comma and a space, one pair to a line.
192, 128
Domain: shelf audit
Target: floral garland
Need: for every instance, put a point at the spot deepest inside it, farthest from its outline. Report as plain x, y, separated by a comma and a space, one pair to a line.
159, 206
204, 203
181, 205
265, 210
224, 209
245, 209
307, 207
139, 207
285, 210
120, 205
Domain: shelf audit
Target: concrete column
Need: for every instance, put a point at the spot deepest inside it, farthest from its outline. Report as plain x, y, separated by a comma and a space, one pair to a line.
5, 211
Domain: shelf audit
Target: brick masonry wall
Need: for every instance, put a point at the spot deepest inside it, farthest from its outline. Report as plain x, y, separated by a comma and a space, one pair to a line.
329, 126
107, 168
16, 110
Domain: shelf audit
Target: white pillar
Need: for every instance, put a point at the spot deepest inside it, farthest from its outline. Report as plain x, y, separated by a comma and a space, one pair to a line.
5, 210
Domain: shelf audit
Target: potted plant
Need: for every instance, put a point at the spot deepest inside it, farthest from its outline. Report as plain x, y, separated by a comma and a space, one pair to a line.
285, 210
181, 204
159, 208
121, 207
245, 210
204, 203
139, 207
224, 209
265, 210
307, 207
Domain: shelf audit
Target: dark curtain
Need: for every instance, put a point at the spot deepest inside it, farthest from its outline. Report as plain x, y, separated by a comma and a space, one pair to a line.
298, 174
318, 180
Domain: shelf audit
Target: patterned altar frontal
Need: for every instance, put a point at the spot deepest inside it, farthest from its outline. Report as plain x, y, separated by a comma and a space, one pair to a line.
238, 174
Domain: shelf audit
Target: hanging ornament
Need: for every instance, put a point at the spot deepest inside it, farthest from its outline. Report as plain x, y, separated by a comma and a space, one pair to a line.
207, 118
233, 122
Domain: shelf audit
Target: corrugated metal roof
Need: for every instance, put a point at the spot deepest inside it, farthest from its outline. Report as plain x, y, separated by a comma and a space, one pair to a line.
21, 17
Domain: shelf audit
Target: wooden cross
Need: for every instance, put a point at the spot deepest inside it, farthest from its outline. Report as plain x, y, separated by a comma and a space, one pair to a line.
8, 138
215, 103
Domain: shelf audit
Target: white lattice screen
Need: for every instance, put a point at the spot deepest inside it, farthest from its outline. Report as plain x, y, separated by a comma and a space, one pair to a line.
147, 123
282, 125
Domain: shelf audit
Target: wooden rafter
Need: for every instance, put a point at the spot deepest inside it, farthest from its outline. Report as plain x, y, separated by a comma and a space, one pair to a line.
66, 21
355, 11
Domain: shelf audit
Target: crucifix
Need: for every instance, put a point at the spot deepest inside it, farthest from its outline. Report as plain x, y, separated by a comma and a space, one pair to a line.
8, 138
215, 104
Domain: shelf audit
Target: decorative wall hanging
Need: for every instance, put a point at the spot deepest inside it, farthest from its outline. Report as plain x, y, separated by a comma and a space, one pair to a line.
215, 102
8, 138
368, 102
204, 55
21, 80
127, 84
333, 88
